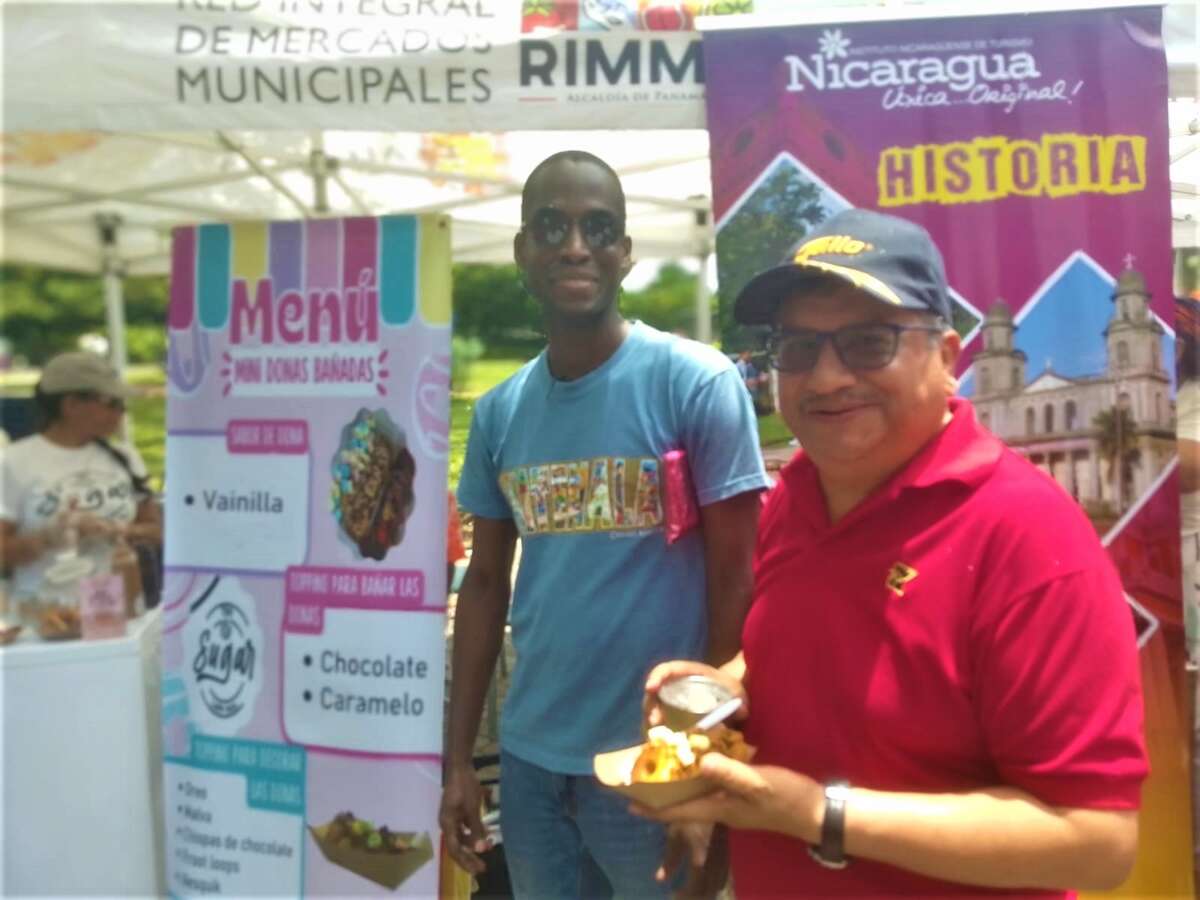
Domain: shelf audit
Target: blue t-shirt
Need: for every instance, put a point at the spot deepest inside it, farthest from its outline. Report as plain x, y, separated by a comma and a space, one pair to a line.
600, 596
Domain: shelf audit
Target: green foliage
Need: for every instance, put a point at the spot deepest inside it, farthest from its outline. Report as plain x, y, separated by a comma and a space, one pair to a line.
667, 303
1117, 444
44, 312
483, 375
463, 353
146, 343
772, 431
781, 212
962, 319
491, 304
1187, 268
149, 414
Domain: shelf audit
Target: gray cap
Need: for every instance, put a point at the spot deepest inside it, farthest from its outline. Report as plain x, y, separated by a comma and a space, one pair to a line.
82, 372
887, 257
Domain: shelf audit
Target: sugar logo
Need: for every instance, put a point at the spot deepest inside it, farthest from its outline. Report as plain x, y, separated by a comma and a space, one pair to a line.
222, 652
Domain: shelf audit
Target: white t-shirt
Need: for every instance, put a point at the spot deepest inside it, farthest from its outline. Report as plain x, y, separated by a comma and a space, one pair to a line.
42, 479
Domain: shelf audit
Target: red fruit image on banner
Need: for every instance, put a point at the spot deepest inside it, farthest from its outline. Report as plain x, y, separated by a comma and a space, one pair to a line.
553, 15
666, 15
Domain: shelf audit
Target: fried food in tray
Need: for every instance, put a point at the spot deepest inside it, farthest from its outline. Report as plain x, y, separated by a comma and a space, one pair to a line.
8, 634
380, 855
59, 623
674, 755
666, 769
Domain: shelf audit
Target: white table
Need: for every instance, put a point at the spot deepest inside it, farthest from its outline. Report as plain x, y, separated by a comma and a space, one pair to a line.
81, 766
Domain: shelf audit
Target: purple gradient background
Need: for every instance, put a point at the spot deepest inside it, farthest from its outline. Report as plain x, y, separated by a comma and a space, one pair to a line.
1003, 248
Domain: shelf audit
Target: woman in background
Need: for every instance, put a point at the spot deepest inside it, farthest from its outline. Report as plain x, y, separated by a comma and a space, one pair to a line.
70, 485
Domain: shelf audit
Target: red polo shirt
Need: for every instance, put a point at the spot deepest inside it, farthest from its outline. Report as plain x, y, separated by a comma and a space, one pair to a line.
961, 628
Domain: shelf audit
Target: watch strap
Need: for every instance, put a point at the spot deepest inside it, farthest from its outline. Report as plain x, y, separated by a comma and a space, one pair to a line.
831, 852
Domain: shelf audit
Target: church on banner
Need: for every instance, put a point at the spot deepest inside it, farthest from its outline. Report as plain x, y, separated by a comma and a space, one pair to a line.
1076, 428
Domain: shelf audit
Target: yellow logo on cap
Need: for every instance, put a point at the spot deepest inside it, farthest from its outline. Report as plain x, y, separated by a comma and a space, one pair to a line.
898, 576
843, 244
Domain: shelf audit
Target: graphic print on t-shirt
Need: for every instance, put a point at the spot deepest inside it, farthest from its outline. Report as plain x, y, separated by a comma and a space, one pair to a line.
600, 494
108, 495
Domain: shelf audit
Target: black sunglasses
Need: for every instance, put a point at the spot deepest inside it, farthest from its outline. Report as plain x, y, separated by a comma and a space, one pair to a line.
859, 347
111, 402
551, 227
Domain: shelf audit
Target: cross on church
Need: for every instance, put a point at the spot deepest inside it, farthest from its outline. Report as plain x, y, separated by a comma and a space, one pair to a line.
1129, 258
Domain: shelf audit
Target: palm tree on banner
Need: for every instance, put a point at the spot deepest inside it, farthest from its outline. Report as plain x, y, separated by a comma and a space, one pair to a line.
1117, 443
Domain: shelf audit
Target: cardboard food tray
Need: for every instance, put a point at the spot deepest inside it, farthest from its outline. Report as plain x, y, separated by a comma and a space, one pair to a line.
614, 769
72, 624
387, 869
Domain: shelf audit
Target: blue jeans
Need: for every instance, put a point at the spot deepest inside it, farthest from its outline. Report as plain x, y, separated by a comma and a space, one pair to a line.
569, 836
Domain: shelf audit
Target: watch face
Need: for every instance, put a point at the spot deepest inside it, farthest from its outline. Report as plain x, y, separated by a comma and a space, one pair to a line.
838, 791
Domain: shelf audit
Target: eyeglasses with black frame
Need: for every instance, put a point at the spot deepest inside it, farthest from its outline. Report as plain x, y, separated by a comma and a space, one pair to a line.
114, 403
861, 348
551, 227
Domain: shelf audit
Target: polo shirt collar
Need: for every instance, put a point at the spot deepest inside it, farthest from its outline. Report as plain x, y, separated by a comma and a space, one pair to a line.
963, 451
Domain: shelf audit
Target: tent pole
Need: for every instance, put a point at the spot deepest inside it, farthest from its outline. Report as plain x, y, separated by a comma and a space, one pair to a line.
114, 301
319, 168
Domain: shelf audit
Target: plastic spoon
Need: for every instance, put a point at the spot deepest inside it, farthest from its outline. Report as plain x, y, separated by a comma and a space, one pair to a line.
718, 715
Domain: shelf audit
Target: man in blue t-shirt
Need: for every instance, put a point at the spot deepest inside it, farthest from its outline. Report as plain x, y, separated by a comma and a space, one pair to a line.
566, 455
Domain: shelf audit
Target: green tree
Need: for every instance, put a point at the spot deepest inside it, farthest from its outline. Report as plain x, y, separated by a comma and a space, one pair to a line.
1118, 441
44, 312
491, 304
783, 209
667, 303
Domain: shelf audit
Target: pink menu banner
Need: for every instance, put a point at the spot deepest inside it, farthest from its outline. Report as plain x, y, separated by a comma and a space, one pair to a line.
304, 643
312, 590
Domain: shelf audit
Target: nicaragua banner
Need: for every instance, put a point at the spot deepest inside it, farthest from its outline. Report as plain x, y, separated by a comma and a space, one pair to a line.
305, 593
399, 65
1034, 149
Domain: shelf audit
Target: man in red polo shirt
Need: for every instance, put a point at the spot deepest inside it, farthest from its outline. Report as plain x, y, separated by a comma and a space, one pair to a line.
939, 668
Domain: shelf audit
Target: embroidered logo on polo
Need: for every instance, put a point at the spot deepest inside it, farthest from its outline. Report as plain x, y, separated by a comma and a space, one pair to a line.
898, 576
602, 494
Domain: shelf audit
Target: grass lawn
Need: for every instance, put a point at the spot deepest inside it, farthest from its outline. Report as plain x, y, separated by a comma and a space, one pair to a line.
149, 414
771, 431
484, 374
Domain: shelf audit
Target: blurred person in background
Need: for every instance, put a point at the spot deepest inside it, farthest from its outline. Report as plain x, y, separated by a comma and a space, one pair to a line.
70, 486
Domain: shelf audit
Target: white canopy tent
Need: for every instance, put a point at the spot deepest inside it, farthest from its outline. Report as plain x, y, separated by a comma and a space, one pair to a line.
104, 201
56, 215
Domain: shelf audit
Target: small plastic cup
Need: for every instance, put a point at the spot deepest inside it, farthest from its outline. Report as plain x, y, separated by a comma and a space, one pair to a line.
685, 701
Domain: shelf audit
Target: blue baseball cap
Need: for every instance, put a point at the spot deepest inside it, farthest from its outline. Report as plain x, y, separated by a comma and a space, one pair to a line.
892, 259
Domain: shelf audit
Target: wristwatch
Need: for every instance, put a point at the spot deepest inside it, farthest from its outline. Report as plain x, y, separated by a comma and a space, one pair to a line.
832, 851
